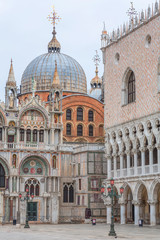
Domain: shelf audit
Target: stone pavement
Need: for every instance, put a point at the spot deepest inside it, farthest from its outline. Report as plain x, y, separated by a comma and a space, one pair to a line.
77, 232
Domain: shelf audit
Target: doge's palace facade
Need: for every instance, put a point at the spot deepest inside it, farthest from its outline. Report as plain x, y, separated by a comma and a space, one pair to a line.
132, 116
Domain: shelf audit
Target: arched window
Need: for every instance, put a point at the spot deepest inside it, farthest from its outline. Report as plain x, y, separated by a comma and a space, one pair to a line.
37, 190
131, 88
90, 116
71, 194
68, 129
2, 177
155, 156
22, 135
33, 185
28, 135
90, 130
68, 114
65, 193
35, 135
68, 193
41, 136
0, 134
79, 130
80, 114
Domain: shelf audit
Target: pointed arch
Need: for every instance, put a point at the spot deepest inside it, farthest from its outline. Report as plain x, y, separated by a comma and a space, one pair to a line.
128, 87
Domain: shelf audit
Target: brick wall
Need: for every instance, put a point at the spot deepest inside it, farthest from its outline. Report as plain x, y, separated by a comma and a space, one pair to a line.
144, 63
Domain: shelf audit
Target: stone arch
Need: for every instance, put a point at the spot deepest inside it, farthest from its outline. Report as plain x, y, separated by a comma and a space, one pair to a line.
129, 207
37, 157
136, 190
124, 89
152, 191
142, 199
81, 140
5, 165
34, 108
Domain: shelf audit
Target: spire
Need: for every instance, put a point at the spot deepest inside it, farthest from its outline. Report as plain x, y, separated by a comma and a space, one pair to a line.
11, 79
96, 82
54, 45
56, 81
104, 29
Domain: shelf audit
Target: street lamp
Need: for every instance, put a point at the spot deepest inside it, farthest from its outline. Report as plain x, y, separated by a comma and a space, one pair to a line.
112, 194
27, 198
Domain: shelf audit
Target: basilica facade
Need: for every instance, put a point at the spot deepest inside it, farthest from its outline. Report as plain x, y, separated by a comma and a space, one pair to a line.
52, 142
131, 59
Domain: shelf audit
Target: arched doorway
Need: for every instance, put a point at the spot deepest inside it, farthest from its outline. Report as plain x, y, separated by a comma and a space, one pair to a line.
2, 177
144, 210
129, 207
156, 197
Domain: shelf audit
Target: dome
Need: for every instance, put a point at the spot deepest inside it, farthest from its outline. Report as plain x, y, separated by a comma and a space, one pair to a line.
96, 93
71, 74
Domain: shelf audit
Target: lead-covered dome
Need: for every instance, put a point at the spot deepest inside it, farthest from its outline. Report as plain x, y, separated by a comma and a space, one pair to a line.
71, 74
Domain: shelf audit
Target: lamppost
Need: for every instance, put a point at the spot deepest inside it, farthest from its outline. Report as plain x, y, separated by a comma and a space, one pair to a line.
112, 193
27, 198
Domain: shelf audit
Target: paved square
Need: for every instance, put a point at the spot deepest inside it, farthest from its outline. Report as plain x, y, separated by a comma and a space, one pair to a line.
77, 232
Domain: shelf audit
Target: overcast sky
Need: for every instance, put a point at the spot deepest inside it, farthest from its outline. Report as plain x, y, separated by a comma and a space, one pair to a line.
25, 31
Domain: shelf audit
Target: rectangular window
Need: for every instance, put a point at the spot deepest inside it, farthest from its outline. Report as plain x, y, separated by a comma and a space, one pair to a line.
22, 135
79, 184
78, 200
41, 136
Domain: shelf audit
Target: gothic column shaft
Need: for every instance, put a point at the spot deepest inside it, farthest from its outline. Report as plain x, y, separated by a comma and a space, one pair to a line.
143, 161
135, 164
109, 167
115, 167
121, 165
136, 214
45, 208
151, 160
128, 164
158, 160
123, 217
152, 214
11, 184
17, 184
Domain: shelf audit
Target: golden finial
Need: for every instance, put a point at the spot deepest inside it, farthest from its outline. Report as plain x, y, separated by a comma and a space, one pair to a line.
53, 17
96, 60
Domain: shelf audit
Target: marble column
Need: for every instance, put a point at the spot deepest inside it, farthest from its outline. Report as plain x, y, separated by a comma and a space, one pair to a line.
18, 135
11, 184
58, 179
152, 213
108, 210
135, 162
151, 159
54, 184
121, 164
143, 160
115, 167
7, 209
14, 184
45, 208
158, 160
128, 163
1, 207
123, 217
17, 184
109, 166
136, 213
11, 209
50, 184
